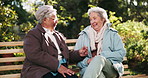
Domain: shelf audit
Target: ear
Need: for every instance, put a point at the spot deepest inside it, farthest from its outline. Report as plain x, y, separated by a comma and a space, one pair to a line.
103, 20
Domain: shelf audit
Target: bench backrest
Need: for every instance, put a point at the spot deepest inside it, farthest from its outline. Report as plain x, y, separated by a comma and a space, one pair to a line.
9, 64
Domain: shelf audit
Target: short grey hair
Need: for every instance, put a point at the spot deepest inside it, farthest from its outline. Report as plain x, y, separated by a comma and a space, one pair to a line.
44, 12
101, 12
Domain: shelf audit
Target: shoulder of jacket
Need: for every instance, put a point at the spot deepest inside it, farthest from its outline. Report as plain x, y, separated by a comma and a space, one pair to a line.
84, 31
35, 32
113, 30
32, 30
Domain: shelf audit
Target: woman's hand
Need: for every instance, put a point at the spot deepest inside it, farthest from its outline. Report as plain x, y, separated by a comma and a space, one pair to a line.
83, 51
63, 70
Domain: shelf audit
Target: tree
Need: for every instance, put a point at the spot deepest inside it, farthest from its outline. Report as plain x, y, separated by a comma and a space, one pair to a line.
127, 9
13, 20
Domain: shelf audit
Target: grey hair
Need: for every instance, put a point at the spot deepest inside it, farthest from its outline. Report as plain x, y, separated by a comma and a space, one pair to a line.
44, 12
101, 12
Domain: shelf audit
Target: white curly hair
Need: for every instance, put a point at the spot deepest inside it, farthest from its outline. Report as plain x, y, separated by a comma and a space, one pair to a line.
101, 12
44, 12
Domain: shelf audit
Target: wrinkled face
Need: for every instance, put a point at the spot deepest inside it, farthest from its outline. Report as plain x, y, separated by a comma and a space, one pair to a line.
96, 21
51, 21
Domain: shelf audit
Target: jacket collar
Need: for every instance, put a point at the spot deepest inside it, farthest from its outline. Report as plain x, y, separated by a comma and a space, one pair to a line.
39, 27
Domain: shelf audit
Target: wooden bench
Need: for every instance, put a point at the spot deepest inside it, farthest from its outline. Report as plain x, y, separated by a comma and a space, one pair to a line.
10, 67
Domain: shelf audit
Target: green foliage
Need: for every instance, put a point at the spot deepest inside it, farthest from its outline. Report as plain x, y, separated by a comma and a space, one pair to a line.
134, 36
113, 19
7, 24
25, 27
14, 21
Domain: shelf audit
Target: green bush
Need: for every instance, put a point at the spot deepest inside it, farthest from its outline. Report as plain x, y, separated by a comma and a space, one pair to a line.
135, 37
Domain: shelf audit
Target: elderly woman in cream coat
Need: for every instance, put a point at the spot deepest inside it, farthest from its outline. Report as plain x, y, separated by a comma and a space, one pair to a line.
105, 47
47, 55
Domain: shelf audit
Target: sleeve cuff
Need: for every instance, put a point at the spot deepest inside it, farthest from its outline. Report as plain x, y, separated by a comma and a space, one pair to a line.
59, 65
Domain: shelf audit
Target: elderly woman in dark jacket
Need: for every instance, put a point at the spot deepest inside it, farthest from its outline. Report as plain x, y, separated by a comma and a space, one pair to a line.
47, 55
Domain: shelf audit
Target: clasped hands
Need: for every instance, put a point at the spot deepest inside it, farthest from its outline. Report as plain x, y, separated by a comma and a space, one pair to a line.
83, 51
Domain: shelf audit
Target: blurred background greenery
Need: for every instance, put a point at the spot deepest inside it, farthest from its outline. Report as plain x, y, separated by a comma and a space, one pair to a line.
129, 17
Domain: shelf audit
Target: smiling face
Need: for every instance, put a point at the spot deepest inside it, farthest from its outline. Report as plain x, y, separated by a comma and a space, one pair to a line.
96, 21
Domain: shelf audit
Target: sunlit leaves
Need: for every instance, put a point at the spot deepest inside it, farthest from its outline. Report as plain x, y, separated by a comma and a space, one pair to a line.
91, 5
7, 23
62, 8
113, 19
85, 15
25, 27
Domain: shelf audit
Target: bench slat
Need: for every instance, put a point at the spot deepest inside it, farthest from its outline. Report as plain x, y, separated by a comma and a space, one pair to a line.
70, 47
126, 72
125, 66
10, 76
20, 43
71, 41
136, 76
125, 58
11, 59
8, 51
11, 67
